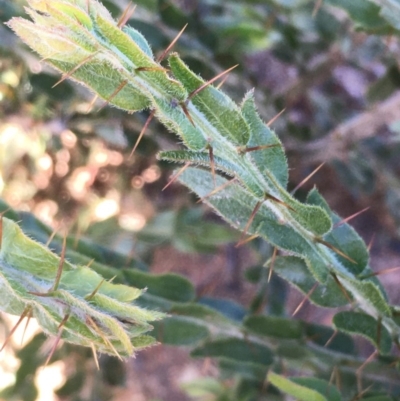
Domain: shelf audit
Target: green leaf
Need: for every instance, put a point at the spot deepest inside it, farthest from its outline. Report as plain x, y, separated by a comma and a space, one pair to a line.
169, 286
366, 326
299, 391
323, 387
329, 338
272, 159
178, 330
218, 109
237, 350
343, 237
295, 271
272, 326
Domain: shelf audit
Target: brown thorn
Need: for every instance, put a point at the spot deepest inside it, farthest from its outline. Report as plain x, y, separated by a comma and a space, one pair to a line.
212, 163
317, 6
274, 199
371, 243
90, 296
334, 249
175, 176
126, 15
60, 266
57, 340
21, 318
246, 240
96, 360
361, 368
51, 237
384, 271
91, 104
171, 45
186, 112
219, 86
347, 219
76, 68
331, 338
28, 319
115, 93
271, 267
273, 119
162, 69
90, 262
146, 124
88, 6
215, 190
307, 297
361, 393
345, 293
102, 336
203, 86
248, 224
307, 178
379, 332
260, 147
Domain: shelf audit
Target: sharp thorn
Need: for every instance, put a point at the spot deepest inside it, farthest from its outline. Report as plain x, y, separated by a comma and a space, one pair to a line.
344, 292
60, 266
359, 372
331, 338
248, 224
126, 15
161, 69
171, 45
379, 332
219, 86
187, 114
384, 271
273, 119
51, 237
28, 319
96, 360
76, 68
271, 267
347, 219
175, 176
203, 86
317, 6
219, 188
362, 393
91, 104
274, 199
306, 297
57, 340
102, 336
12, 331
212, 163
371, 243
246, 240
260, 147
90, 296
307, 178
334, 249
115, 93
146, 124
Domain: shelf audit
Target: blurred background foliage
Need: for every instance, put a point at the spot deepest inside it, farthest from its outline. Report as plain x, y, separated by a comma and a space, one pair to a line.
333, 65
